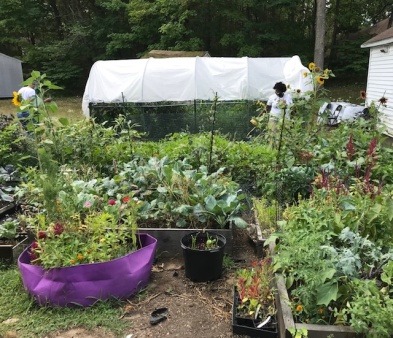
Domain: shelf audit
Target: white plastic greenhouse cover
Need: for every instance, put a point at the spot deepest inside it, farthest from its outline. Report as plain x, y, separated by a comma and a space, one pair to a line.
190, 78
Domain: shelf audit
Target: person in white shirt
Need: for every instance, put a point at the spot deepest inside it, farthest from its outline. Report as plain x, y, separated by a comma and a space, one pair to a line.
28, 93
278, 104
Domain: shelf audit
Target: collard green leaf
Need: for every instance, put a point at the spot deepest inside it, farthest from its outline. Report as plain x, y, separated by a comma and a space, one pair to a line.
326, 293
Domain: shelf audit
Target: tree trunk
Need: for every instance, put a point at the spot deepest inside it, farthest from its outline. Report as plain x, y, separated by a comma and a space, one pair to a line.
319, 48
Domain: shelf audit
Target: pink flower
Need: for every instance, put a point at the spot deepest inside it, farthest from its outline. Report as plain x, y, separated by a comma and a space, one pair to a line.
87, 204
111, 202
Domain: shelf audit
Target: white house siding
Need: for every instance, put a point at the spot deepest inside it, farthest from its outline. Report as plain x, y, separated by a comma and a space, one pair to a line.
380, 82
11, 75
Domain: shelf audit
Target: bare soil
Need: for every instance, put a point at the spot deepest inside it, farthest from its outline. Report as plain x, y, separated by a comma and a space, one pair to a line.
194, 309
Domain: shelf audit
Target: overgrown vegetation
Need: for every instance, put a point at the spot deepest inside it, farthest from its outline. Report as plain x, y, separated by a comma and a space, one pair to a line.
334, 186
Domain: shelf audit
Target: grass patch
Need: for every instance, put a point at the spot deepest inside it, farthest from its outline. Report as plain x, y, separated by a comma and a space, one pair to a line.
69, 107
348, 92
35, 321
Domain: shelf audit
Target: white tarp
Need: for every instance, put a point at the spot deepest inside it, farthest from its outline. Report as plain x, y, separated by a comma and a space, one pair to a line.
190, 78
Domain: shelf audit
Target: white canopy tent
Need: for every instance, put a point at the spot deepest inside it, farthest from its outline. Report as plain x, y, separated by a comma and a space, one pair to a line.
189, 79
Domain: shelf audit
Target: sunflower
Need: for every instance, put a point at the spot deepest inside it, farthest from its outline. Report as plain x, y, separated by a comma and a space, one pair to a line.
320, 80
311, 66
16, 100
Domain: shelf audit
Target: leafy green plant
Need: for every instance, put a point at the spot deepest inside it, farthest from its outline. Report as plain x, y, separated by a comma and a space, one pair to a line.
179, 195
208, 243
9, 228
15, 147
103, 232
266, 215
333, 259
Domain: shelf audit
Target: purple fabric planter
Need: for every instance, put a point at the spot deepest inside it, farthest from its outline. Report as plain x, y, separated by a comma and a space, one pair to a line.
86, 283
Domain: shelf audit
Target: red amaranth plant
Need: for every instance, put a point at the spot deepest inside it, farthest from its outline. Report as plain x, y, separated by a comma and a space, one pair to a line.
350, 148
371, 160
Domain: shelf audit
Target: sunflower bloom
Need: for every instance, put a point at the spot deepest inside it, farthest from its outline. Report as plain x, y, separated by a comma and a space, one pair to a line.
320, 80
16, 100
79, 256
311, 66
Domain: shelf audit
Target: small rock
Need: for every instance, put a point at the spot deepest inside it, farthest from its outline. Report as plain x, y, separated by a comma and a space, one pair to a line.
11, 321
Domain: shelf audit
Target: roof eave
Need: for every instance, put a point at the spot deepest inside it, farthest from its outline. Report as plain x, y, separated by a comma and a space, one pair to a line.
377, 43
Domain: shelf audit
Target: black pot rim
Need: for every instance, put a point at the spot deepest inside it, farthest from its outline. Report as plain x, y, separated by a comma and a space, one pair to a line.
221, 240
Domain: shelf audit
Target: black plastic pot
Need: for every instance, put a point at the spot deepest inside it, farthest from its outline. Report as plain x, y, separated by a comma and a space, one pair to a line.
249, 327
202, 265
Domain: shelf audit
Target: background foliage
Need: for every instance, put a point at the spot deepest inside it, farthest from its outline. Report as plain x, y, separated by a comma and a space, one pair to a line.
64, 38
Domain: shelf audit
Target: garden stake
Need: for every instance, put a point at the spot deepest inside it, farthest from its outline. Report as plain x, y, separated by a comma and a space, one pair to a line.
212, 131
278, 163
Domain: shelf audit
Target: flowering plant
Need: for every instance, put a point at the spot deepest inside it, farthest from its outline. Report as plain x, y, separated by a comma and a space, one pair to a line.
255, 292
104, 231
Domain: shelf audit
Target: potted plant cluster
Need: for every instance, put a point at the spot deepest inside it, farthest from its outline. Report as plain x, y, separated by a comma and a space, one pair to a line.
92, 255
254, 310
179, 199
203, 253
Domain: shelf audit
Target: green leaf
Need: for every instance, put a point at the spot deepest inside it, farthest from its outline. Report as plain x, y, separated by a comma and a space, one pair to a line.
289, 281
64, 121
210, 203
375, 212
326, 293
239, 222
47, 141
162, 190
347, 206
390, 209
328, 274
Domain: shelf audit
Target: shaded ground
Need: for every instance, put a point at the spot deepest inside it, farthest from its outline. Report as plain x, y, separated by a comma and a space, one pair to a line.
194, 309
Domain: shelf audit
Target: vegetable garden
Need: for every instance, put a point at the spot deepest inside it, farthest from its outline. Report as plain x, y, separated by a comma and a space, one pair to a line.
330, 190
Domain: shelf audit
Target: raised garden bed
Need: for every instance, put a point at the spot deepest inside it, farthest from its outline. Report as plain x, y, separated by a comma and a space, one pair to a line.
168, 240
286, 321
6, 208
11, 249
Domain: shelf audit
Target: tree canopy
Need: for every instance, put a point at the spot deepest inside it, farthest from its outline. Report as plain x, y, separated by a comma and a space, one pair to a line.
64, 38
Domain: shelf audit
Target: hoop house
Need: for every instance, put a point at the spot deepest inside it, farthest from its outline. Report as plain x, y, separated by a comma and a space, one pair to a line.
190, 78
